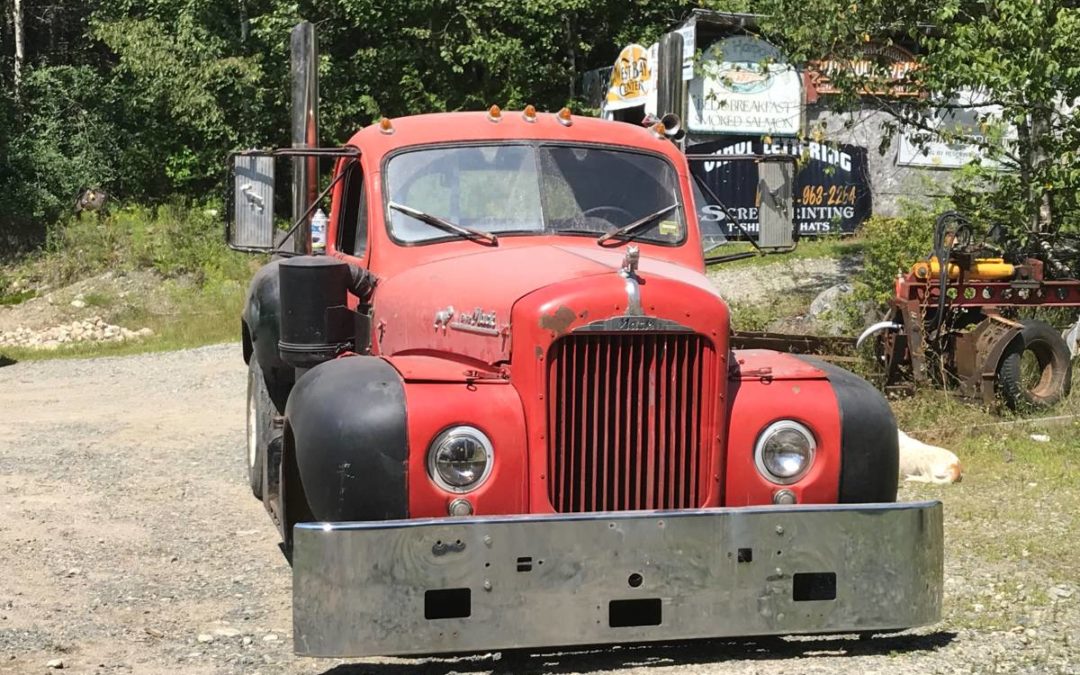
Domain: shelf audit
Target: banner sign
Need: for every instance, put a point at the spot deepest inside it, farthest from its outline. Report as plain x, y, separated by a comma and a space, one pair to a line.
885, 67
832, 188
936, 154
633, 78
967, 121
744, 85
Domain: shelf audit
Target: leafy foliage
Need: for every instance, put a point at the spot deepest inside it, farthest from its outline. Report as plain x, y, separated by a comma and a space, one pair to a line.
892, 245
145, 98
1017, 56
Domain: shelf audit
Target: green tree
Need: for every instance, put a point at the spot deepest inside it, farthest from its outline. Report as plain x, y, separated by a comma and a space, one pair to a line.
1021, 56
145, 98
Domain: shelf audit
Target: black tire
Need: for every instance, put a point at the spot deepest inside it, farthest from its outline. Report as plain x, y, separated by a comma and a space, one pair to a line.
1036, 369
260, 412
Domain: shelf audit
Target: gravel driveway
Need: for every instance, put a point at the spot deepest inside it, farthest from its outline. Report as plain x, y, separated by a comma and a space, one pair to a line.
130, 543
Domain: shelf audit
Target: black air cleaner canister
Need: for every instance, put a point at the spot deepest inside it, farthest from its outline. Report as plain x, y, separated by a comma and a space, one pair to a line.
316, 324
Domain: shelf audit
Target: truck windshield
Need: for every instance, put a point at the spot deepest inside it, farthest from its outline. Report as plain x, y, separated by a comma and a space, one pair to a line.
535, 189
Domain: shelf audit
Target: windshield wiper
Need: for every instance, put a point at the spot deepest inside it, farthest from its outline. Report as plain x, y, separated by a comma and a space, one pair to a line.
637, 224
443, 224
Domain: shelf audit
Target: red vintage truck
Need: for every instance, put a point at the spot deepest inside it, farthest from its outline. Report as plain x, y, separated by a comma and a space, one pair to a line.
501, 410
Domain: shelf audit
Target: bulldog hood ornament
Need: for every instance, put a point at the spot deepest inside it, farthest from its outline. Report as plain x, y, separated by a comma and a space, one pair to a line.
630, 262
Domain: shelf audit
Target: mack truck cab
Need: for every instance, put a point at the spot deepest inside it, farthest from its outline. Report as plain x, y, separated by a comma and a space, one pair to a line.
500, 410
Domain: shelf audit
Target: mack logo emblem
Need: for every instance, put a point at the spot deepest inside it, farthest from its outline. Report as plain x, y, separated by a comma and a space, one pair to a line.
635, 324
479, 321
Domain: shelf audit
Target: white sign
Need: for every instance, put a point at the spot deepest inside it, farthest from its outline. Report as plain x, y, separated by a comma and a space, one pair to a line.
924, 148
688, 33
936, 154
745, 86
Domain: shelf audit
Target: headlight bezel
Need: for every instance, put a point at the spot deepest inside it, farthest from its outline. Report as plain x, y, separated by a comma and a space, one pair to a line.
449, 433
774, 428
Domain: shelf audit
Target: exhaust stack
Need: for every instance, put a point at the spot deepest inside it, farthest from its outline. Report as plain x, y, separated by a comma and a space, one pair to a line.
305, 127
670, 94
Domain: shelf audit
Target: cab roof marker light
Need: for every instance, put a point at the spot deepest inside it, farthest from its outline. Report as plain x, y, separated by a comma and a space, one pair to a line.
564, 117
494, 114
659, 130
386, 126
529, 114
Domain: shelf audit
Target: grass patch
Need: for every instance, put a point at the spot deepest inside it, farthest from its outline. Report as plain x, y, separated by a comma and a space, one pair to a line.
197, 286
1010, 525
821, 247
188, 317
98, 299
753, 316
16, 297
173, 240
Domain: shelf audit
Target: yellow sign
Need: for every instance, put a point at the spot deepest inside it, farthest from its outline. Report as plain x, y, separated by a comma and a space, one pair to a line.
669, 228
632, 78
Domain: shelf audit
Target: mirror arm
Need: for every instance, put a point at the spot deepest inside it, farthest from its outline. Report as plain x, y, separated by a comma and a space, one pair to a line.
727, 213
713, 260
347, 151
311, 209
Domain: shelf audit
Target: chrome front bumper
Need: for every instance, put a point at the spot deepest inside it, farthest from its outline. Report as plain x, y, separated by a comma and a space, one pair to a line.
479, 584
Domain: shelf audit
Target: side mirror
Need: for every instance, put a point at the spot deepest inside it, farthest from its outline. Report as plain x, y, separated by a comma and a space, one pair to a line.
252, 226
776, 211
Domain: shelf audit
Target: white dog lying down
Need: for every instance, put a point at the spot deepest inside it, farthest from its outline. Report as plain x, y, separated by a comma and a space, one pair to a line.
927, 463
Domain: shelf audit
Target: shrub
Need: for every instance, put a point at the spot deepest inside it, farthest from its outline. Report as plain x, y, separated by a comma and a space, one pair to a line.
174, 240
892, 245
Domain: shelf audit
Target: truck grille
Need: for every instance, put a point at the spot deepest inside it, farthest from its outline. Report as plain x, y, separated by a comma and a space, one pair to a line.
628, 421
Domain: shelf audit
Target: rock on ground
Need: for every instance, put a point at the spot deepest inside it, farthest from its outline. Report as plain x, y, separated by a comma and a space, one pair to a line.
94, 329
761, 283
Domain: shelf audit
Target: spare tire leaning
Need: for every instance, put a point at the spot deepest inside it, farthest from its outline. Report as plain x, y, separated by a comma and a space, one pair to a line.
1036, 369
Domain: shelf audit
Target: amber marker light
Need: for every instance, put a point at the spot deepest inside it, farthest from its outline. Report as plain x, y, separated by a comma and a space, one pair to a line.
386, 126
564, 117
659, 130
529, 113
495, 114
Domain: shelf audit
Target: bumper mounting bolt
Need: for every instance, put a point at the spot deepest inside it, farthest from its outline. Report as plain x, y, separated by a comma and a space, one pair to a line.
487, 584
779, 529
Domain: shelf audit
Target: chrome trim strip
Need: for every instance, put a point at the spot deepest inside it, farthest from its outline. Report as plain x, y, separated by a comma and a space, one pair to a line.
633, 295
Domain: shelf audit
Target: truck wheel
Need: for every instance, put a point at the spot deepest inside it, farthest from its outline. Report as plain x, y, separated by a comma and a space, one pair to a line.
260, 410
1036, 369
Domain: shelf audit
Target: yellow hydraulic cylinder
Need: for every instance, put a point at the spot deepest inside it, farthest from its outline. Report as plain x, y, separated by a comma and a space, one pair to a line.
984, 269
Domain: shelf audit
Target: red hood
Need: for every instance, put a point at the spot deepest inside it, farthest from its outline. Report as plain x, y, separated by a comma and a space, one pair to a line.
482, 288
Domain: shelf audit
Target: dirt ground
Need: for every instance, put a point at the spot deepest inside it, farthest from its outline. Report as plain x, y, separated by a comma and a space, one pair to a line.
130, 543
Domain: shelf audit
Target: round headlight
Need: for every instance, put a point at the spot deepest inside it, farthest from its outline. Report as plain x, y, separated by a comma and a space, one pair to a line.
460, 459
785, 451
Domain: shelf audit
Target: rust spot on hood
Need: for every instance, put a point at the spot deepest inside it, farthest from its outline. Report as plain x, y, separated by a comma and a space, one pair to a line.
559, 322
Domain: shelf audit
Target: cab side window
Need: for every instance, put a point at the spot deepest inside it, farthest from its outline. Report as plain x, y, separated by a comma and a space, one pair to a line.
352, 228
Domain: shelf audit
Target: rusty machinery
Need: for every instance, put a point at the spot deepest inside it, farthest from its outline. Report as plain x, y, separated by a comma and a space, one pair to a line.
960, 323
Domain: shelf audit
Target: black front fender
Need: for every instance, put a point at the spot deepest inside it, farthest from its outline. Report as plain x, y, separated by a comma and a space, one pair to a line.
346, 418
869, 443
262, 312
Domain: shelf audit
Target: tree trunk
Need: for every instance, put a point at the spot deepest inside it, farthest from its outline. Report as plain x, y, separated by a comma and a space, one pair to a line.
1026, 152
571, 55
1040, 126
17, 29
